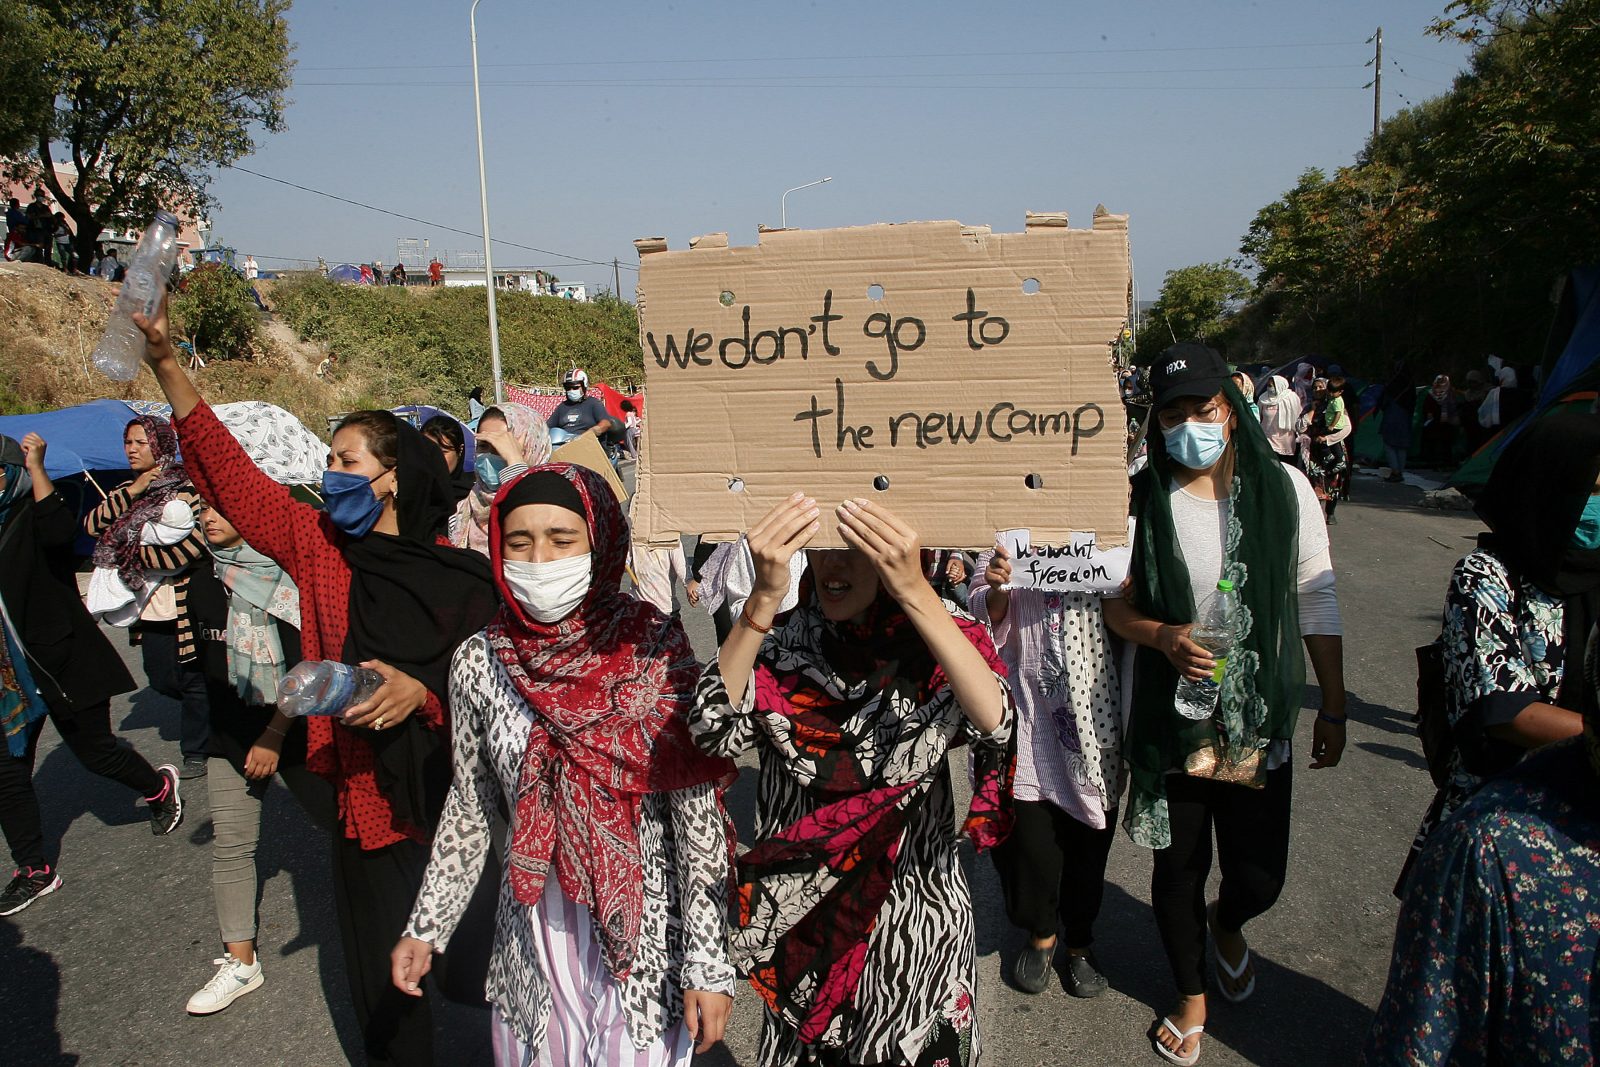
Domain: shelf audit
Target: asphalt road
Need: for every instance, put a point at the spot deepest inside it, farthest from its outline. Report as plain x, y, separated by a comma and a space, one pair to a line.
99, 972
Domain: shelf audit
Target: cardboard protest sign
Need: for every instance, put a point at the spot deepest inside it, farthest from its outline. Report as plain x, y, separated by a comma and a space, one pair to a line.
960, 376
1080, 566
585, 450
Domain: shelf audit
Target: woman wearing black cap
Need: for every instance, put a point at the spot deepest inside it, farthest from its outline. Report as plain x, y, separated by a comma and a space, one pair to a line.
1216, 505
54, 662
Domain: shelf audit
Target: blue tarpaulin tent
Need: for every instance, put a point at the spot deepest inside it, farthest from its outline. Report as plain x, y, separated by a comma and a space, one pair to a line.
346, 272
87, 437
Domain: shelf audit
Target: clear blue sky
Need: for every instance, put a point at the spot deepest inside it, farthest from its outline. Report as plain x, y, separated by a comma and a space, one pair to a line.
609, 122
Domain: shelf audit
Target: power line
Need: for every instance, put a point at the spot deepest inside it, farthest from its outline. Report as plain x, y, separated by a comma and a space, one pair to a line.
923, 75
634, 63
841, 85
424, 222
1427, 59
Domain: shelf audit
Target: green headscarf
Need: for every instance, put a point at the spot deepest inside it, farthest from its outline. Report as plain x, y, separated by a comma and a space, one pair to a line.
1265, 680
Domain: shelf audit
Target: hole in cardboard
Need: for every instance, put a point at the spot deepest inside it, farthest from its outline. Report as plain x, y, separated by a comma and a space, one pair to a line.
874, 292
880, 483
1030, 286
726, 299
735, 485
1033, 481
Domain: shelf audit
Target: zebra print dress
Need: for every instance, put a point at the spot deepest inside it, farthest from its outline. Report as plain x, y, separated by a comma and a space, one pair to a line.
912, 1001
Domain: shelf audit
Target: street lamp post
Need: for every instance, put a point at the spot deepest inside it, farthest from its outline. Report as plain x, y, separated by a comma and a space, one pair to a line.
783, 203
483, 195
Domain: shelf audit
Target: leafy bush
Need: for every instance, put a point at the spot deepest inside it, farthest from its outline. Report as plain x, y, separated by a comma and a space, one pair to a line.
432, 345
213, 307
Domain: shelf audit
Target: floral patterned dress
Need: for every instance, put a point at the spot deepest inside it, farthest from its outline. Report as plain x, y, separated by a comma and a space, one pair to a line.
1504, 648
1495, 956
913, 1001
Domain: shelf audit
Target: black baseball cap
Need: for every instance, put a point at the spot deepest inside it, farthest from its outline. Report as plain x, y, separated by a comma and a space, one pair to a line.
1187, 369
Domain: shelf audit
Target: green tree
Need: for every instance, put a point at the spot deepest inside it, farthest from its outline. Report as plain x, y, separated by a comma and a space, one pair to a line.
148, 98
1193, 306
214, 307
24, 101
1442, 242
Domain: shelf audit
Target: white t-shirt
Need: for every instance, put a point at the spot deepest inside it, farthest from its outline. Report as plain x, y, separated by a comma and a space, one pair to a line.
1201, 527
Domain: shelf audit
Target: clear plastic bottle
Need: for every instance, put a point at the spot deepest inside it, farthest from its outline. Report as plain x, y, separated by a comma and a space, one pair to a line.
121, 347
1213, 631
325, 687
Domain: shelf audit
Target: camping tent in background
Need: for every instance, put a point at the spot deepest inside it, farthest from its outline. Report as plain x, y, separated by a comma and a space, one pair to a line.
1570, 379
347, 273
417, 414
279, 443
612, 399
80, 439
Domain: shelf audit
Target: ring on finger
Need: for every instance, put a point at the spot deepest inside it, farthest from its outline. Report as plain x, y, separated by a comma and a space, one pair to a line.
379, 724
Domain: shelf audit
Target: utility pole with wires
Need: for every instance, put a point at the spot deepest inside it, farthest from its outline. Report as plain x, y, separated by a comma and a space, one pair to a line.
1376, 84
616, 278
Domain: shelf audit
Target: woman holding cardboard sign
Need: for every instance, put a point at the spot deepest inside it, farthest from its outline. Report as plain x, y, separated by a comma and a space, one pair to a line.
1215, 507
854, 921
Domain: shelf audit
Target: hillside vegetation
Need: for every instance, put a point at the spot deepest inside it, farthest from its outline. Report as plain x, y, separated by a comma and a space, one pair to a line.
432, 345
394, 346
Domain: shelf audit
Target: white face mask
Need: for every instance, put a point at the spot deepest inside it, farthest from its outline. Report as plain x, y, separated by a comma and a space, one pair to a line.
549, 591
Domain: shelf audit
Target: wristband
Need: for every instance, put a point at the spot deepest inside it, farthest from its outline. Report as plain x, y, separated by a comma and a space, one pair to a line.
748, 621
275, 730
1331, 721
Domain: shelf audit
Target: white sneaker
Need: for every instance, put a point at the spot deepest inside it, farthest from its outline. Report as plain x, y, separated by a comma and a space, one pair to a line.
232, 981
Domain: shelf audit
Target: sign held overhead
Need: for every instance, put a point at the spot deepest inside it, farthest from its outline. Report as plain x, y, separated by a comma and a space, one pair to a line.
959, 376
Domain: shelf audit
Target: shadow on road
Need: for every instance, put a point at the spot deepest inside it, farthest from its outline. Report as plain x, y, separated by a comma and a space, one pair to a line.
1292, 1018
30, 987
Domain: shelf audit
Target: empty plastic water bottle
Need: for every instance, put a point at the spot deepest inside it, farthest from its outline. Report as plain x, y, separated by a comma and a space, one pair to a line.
1214, 632
325, 687
121, 347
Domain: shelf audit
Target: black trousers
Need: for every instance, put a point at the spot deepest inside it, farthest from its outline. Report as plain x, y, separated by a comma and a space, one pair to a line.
88, 735
158, 642
373, 892
1053, 870
1252, 830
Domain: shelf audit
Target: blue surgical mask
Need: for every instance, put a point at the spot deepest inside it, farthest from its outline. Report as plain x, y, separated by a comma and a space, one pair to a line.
1197, 445
1587, 535
350, 502
574, 395
491, 468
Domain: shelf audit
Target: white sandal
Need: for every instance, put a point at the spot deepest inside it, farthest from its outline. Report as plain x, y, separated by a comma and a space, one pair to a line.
1220, 967
1182, 1035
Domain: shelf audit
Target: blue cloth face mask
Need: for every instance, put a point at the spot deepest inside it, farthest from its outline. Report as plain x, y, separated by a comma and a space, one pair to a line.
491, 468
350, 502
1587, 535
1197, 445
574, 395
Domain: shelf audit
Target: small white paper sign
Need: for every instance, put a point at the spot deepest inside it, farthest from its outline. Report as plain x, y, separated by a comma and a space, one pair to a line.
1077, 567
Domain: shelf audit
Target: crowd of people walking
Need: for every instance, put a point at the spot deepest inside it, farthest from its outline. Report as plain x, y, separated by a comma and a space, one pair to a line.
527, 806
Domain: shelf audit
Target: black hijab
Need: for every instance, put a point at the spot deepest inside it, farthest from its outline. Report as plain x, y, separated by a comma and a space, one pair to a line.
1532, 504
413, 602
